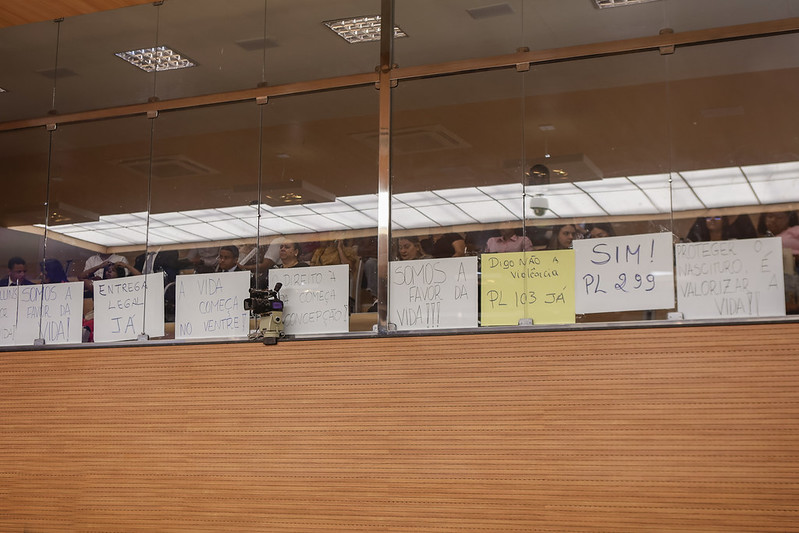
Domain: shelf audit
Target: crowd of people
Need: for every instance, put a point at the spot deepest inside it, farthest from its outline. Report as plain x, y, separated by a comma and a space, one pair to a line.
283, 252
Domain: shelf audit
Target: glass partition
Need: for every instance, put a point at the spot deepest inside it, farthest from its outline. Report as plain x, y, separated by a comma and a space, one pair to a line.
24, 156
28, 63
98, 203
458, 169
91, 75
586, 188
736, 158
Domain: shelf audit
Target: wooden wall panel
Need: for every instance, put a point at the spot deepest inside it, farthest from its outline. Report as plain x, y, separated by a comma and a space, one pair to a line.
673, 429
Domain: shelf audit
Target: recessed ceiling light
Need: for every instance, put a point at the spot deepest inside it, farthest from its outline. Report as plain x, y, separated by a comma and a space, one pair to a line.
360, 29
601, 4
159, 59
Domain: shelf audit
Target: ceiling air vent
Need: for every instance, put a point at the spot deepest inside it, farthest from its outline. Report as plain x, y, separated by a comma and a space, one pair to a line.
168, 166
417, 140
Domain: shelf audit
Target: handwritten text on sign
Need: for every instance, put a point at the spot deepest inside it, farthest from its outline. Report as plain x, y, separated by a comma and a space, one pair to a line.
433, 293
51, 312
537, 285
315, 299
736, 278
126, 307
624, 273
211, 306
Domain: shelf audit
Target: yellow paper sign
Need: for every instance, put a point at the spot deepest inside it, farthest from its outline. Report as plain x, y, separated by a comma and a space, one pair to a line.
537, 285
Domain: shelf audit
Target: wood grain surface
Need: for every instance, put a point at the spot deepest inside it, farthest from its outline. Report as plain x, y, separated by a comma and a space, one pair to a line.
670, 429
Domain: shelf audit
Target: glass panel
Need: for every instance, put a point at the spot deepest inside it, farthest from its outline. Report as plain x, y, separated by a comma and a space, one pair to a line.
90, 75
736, 157
27, 61
488, 28
317, 164
596, 138
98, 203
243, 44
23, 170
458, 167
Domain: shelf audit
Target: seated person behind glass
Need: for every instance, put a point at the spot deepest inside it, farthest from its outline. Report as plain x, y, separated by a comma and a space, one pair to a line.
108, 269
508, 241
410, 248
721, 228
17, 268
334, 253
228, 259
443, 245
562, 237
290, 255
599, 230
54, 272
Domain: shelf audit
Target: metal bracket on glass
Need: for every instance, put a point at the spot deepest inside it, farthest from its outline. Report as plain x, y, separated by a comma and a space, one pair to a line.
391, 327
38, 342
152, 114
524, 66
261, 100
669, 48
143, 337
525, 321
51, 127
675, 316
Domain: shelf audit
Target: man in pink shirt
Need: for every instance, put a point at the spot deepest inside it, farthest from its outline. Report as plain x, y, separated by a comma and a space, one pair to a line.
508, 241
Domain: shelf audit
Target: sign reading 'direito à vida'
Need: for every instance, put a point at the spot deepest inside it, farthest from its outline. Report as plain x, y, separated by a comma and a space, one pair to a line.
633, 272
433, 293
734, 278
536, 285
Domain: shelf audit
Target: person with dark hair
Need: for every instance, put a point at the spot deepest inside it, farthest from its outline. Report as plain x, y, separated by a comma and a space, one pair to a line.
599, 230
443, 245
562, 237
228, 259
53, 271
290, 255
17, 268
782, 224
721, 228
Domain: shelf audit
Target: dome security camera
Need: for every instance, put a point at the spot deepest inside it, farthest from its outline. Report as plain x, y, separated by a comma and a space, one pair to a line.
539, 205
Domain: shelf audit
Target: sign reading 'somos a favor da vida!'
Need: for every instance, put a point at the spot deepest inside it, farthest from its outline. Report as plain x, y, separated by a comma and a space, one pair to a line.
536, 285
736, 278
211, 306
52, 312
125, 308
433, 293
315, 299
624, 273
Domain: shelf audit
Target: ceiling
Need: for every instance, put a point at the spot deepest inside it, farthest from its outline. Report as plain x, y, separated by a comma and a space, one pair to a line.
722, 105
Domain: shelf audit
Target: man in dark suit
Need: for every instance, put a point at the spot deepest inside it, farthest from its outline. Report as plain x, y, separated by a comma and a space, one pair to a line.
16, 273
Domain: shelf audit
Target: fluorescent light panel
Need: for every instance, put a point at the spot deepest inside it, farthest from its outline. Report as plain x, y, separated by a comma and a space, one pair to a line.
159, 58
360, 29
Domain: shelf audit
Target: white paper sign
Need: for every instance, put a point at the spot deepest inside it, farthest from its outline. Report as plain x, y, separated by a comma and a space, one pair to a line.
211, 306
315, 299
624, 273
125, 308
735, 278
433, 293
53, 312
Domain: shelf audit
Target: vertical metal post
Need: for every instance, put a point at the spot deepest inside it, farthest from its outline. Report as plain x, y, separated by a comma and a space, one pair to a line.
384, 163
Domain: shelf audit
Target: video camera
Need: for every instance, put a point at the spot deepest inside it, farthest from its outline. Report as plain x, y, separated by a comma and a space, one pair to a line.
267, 306
263, 301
